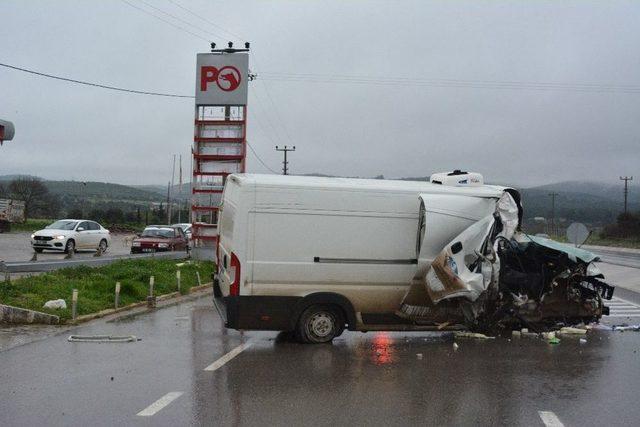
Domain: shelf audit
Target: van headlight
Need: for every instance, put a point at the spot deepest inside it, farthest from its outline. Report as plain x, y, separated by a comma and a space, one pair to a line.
136, 244
163, 245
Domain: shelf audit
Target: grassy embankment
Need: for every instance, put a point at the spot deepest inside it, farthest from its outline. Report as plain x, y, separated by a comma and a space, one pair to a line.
96, 286
31, 225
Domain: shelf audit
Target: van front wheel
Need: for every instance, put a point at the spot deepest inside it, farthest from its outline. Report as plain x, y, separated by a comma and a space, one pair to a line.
319, 324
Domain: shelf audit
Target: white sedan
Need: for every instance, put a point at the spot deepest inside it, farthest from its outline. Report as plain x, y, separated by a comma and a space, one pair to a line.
70, 235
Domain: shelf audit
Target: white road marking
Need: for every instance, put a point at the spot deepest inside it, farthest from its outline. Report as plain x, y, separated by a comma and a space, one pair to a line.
550, 419
159, 404
227, 357
622, 308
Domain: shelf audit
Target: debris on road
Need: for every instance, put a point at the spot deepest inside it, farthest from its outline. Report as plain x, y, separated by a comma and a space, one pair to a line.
472, 335
55, 304
102, 338
625, 327
455, 346
567, 330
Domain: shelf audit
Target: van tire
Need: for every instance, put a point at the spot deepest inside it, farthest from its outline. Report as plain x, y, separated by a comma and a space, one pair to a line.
319, 324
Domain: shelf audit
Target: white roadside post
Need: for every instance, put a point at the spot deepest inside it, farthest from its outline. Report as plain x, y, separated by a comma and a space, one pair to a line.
198, 276
151, 300
74, 304
117, 301
178, 279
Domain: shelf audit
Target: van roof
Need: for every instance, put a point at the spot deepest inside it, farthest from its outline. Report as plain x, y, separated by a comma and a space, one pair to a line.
292, 181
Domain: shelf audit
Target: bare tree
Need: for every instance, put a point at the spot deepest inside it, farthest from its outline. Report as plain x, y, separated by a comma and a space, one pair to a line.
30, 190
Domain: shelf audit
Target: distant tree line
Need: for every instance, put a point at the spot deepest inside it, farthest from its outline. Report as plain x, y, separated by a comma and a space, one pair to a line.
626, 226
40, 203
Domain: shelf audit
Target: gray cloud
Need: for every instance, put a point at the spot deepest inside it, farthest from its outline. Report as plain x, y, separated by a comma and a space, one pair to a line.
514, 134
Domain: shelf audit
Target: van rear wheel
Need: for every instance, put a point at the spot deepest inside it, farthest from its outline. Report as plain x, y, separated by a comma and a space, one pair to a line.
319, 324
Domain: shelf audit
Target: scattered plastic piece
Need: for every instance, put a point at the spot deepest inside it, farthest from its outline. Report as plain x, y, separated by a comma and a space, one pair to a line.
419, 356
583, 341
55, 303
554, 341
516, 334
524, 330
626, 327
102, 338
548, 335
455, 346
472, 335
572, 331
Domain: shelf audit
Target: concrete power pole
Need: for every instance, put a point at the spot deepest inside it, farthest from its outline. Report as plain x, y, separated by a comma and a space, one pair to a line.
285, 163
553, 213
626, 180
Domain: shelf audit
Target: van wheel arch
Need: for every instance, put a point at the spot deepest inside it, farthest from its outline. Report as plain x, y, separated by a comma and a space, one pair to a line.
326, 298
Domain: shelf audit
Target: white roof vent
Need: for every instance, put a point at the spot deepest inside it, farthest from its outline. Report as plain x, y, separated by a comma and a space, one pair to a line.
458, 178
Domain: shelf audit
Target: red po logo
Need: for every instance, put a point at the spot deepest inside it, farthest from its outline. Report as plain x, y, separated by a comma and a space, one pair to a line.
227, 78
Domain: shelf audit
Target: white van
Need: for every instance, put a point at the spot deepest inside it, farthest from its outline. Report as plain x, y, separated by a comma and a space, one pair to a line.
316, 255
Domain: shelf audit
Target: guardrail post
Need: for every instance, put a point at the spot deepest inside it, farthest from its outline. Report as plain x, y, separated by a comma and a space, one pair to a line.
151, 300
178, 279
198, 276
74, 304
117, 301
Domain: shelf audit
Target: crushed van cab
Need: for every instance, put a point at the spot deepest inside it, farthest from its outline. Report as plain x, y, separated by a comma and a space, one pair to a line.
318, 255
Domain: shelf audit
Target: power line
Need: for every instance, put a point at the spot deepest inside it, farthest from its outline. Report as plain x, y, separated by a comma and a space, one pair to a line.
177, 18
191, 12
259, 159
164, 20
81, 82
447, 83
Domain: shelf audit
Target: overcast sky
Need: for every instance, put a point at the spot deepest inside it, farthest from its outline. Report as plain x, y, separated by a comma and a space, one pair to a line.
524, 92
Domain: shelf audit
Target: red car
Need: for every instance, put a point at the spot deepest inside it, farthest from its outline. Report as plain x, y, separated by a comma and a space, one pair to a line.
160, 238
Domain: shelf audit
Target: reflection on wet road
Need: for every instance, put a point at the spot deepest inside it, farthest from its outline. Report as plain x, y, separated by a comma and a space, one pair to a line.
176, 376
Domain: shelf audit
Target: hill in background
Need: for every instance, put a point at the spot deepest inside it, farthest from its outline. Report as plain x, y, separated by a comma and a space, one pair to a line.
591, 202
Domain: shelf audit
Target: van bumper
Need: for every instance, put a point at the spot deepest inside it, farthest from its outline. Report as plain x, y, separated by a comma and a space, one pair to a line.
266, 313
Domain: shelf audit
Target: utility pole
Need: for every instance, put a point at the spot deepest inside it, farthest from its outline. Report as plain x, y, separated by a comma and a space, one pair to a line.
553, 213
626, 180
285, 163
170, 201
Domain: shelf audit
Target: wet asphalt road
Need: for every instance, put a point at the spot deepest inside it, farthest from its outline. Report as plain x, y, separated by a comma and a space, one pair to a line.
16, 247
372, 379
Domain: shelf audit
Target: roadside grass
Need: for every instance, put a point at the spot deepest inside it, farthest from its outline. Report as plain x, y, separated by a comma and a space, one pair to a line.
96, 286
31, 225
630, 242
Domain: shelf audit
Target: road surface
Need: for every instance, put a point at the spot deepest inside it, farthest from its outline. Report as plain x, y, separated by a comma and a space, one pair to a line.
189, 370
16, 247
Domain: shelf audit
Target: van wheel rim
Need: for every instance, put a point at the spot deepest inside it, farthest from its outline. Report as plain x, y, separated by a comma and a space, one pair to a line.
321, 325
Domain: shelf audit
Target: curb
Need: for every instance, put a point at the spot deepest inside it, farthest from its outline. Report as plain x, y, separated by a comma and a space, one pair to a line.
21, 316
87, 317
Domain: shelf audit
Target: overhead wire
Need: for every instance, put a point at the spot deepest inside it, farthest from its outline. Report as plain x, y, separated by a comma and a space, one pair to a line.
191, 12
453, 83
178, 18
260, 159
103, 86
164, 20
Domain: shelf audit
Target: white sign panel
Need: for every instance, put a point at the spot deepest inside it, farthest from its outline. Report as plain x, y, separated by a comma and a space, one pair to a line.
221, 79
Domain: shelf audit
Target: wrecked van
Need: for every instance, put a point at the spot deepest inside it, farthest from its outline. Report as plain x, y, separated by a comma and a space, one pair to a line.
318, 255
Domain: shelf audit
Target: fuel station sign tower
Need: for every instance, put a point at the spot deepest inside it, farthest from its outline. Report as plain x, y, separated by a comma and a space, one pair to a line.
219, 143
